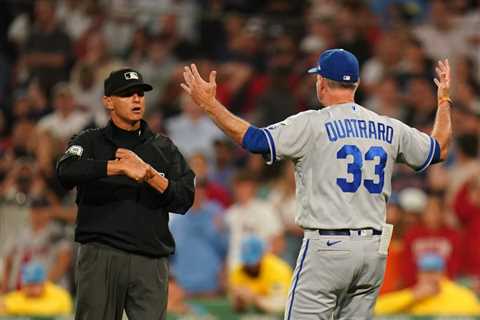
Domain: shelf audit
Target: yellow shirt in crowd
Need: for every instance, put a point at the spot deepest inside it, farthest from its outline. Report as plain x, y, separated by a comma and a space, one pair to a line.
451, 300
274, 278
54, 301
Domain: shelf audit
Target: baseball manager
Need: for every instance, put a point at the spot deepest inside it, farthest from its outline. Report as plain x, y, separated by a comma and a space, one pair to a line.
344, 155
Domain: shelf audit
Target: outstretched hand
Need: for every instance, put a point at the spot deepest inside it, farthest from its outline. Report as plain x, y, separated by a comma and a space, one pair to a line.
202, 92
443, 80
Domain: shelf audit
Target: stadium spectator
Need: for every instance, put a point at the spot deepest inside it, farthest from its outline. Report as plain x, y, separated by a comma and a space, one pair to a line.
224, 165
96, 54
176, 298
213, 191
75, 16
277, 102
261, 280
37, 296
433, 293
87, 92
250, 216
199, 237
385, 61
465, 165
415, 61
412, 202
47, 52
43, 241
421, 103
350, 32
394, 277
65, 121
158, 66
466, 205
441, 35
192, 131
386, 98
282, 198
432, 235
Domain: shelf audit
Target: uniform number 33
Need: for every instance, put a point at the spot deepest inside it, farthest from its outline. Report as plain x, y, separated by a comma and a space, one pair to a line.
355, 168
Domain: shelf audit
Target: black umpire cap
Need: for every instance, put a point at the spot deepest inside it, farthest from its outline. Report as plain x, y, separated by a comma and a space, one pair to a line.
123, 79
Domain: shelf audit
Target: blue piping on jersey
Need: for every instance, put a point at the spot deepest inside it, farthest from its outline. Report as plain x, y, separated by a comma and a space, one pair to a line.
430, 156
296, 279
436, 153
271, 145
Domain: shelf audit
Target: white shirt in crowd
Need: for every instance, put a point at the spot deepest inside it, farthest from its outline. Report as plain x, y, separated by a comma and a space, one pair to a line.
258, 218
194, 137
64, 127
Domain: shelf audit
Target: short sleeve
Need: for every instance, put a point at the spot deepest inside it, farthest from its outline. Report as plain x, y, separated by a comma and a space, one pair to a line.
289, 138
416, 149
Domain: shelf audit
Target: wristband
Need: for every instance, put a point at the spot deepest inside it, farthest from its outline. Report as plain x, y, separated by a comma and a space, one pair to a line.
445, 99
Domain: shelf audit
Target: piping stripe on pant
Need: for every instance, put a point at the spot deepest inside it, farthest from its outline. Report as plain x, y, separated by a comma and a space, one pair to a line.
296, 279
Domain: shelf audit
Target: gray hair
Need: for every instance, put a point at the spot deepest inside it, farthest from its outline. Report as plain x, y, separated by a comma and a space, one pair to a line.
342, 85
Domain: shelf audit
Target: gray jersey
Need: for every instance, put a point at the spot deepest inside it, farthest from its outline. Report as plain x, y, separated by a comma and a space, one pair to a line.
344, 157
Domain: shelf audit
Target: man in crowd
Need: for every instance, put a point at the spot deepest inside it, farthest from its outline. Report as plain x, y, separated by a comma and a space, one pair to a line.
432, 294
37, 297
261, 280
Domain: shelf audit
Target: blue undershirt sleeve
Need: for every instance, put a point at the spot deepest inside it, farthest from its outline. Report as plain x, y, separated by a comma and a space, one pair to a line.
255, 141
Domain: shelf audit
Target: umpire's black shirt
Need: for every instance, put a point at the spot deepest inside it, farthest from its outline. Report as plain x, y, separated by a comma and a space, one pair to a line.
116, 210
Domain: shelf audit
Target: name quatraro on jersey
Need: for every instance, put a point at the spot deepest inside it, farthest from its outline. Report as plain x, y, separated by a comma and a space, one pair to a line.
356, 128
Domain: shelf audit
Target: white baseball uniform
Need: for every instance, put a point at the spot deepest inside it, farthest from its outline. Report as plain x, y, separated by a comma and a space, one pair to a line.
344, 157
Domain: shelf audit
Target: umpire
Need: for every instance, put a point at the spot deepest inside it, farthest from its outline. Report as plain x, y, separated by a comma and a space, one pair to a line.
128, 179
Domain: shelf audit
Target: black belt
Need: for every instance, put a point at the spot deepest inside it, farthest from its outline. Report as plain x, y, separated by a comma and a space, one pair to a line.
347, 232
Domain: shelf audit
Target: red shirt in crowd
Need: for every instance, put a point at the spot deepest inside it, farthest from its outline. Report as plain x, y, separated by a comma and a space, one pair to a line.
217, 192
420, 240
469, 215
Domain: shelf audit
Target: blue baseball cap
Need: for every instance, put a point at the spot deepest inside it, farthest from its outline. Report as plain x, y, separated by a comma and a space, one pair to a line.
252, 250
33, 273
431, 262
338, 65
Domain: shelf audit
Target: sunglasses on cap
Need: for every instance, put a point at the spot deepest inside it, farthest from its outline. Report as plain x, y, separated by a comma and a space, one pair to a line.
130, 92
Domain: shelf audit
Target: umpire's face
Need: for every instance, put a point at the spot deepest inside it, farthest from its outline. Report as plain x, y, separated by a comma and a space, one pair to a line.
127, 106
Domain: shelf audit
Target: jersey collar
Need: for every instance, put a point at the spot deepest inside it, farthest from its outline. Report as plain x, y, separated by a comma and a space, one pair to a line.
145, 132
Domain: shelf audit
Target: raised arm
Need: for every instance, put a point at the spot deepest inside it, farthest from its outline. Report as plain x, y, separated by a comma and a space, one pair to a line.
442, 128
203, 94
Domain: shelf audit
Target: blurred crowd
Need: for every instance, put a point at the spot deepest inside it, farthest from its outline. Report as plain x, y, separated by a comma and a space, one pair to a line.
55, 55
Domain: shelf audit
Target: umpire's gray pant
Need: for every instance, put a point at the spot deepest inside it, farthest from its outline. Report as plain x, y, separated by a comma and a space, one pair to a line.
336, 277
110, 280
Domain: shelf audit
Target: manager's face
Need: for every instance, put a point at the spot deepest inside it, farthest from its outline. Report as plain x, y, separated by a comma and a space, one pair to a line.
128, 105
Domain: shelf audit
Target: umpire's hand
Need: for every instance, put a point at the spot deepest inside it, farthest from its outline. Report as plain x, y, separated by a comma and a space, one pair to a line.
133, 166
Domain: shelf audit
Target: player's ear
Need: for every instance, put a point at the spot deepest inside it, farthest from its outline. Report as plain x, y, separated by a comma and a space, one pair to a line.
108, 103
320, 83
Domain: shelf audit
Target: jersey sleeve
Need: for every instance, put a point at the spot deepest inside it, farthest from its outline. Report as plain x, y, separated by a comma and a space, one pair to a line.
289, 138
415, 148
